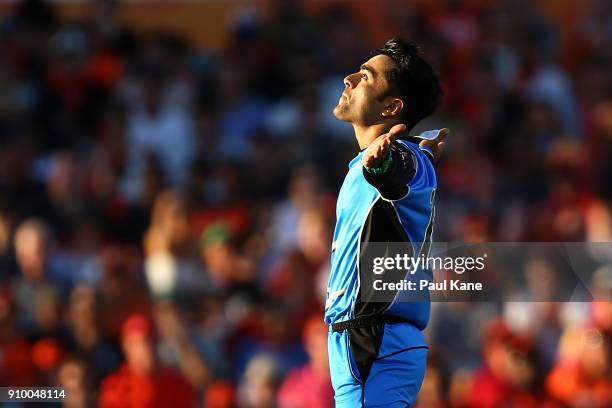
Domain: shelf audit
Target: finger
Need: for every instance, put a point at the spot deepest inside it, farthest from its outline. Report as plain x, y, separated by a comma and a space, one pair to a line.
442, 135
383, 148
390, 139
396, 131
441, 147
387, 142
427, 143
399, 128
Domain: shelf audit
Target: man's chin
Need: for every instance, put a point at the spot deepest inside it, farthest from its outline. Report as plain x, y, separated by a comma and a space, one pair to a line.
341, 114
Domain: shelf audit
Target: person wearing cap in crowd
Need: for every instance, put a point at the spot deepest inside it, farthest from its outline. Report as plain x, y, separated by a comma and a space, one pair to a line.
141, 381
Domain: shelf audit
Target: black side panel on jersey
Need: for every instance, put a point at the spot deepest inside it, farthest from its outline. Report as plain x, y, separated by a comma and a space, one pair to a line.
382, 225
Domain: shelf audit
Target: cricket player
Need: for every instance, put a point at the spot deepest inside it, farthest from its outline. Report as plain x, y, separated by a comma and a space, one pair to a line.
377, 350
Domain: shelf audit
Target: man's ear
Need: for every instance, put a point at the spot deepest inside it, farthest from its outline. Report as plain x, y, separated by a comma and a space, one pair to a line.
393, 107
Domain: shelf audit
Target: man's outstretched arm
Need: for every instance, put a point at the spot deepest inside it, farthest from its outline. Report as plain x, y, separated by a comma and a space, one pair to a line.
389, 166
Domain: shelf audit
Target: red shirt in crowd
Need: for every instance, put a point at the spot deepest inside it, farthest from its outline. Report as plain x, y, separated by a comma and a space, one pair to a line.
126, 389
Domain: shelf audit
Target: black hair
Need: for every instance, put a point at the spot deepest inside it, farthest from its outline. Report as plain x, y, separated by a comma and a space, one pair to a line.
413, 81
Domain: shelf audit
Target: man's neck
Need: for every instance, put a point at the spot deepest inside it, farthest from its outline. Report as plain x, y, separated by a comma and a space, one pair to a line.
367, 134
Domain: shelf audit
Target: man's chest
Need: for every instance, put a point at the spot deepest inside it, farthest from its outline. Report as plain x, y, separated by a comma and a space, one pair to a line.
355, 199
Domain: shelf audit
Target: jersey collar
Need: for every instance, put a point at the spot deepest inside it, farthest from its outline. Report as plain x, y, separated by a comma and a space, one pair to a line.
356, 158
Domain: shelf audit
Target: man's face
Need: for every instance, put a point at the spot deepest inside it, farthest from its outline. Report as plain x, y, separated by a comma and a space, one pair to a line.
139, 352
361, 102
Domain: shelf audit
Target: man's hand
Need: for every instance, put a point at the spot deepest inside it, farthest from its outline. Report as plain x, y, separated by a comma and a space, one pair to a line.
377, 150
436, 145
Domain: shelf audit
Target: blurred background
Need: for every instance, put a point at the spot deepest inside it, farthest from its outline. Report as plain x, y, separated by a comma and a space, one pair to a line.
168, 175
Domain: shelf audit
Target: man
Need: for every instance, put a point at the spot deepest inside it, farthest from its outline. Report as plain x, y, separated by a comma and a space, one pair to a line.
142, 382
308, 386
377, 350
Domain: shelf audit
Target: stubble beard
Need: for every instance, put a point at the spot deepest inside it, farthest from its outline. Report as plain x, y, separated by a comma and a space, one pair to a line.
342, 112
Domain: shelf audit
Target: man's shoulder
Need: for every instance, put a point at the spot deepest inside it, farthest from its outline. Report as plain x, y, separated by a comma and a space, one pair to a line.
411, 146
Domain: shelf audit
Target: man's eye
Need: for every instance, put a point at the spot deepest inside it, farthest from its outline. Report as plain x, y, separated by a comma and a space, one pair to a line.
364, 76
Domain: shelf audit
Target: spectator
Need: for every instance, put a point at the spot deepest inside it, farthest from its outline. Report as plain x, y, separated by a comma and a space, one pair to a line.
309, 385
510, 375
586, 380
259, 384
74, 378
141, 381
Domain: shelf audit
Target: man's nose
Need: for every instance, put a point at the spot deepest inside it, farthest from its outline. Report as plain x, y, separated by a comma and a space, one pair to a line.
349, 81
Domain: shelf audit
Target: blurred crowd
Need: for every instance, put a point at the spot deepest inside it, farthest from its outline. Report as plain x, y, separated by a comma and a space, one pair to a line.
166, 211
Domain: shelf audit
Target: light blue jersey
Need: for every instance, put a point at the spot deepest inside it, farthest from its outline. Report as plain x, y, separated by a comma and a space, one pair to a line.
363, 215
377, 350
